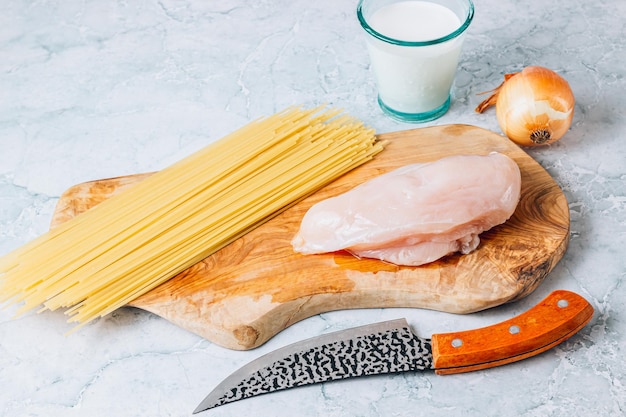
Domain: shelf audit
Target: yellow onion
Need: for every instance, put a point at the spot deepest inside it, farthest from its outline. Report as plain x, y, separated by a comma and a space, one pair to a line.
533, 107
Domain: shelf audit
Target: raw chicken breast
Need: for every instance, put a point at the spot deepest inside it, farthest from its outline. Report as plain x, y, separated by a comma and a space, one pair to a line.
417, 213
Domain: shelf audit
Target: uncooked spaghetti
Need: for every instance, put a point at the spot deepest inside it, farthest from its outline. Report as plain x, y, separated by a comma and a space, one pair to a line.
132, 242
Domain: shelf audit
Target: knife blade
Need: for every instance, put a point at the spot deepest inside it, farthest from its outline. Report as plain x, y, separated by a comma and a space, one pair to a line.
391, 347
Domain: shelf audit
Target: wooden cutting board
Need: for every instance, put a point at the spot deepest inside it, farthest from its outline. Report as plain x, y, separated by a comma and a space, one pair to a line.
252, 289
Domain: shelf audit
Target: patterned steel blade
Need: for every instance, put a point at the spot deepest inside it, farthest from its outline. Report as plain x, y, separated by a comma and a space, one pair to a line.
378, 348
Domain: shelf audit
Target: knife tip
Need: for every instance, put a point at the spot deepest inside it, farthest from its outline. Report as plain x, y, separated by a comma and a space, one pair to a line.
206, 404
200, 409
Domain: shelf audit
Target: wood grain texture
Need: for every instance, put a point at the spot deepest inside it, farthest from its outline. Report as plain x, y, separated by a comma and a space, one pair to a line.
555, 319
250, 290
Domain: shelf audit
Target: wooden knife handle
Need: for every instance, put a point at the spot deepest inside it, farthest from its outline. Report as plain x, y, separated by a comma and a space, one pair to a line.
553, 320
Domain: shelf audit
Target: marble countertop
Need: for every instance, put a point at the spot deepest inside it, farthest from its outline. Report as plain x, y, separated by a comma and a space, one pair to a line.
92, 89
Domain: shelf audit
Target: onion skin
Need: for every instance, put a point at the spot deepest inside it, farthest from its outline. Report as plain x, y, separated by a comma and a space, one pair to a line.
533, 107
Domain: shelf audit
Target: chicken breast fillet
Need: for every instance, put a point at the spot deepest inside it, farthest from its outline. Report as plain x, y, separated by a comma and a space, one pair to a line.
417, 213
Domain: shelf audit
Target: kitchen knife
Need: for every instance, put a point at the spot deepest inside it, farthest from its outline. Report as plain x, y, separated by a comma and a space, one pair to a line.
391, 346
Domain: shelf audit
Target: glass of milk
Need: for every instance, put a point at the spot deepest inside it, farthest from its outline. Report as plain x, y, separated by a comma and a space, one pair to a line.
414, 47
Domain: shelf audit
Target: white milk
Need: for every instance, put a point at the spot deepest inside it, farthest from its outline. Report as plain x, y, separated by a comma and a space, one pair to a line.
414, 79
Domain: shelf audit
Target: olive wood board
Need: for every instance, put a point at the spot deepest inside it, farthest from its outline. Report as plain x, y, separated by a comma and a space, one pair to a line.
250, 290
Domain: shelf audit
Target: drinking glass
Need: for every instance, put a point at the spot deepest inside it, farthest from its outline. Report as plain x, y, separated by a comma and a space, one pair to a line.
414, 48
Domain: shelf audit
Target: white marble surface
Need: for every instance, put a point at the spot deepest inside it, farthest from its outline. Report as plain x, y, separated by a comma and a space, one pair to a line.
93, 89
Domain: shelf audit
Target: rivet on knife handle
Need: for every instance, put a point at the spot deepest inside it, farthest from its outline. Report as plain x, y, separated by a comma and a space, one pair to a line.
550, 322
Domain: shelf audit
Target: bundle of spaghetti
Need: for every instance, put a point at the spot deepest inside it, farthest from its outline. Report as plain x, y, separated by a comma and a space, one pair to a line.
134, 241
